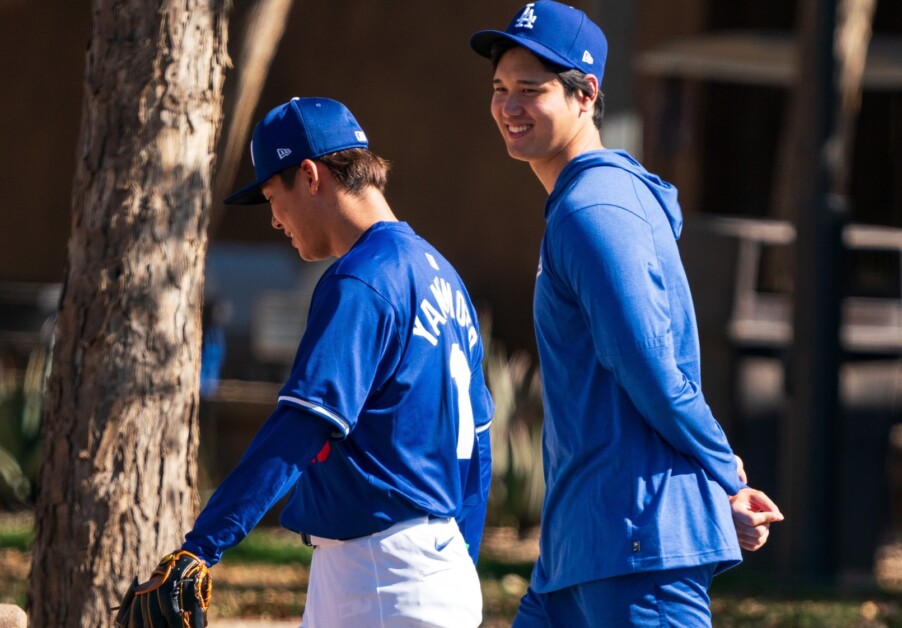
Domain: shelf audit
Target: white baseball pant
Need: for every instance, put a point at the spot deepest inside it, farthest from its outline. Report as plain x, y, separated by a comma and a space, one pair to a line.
415, 574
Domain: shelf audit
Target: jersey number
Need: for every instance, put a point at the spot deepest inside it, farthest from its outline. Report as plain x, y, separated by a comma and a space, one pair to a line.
460, 373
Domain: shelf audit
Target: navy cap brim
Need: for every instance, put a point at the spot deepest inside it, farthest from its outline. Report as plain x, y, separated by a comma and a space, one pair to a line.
248, 195
482, 43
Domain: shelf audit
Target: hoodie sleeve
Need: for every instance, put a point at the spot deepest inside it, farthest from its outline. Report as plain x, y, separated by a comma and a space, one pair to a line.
608, 256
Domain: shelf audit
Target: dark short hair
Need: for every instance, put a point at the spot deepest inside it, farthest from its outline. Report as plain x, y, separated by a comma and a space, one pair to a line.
354, 169
572, 79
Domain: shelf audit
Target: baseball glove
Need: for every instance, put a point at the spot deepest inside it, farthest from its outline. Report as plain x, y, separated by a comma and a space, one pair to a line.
176, 596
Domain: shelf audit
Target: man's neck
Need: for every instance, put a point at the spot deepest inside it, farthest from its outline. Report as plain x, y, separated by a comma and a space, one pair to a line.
548, 171
356, 214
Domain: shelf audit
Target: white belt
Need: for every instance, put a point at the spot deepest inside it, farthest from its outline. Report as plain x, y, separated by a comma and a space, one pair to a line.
319, 541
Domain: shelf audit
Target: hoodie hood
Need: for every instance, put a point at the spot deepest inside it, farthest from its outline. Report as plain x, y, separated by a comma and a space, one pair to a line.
664, 192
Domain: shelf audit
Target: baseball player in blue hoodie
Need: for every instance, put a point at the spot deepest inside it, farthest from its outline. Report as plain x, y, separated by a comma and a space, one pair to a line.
380, 432
645, 501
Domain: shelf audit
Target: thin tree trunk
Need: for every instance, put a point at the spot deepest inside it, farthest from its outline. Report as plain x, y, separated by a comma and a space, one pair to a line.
853, 35
118, 475
852, 38
264, 31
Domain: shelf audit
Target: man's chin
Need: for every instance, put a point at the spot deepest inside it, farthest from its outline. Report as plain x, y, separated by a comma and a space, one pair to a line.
515, 149
517, 154
309, 258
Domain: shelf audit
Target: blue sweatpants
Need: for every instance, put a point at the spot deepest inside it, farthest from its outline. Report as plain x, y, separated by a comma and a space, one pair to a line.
674, 597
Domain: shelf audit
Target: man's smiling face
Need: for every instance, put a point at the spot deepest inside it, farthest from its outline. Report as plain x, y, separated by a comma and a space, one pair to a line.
538, 121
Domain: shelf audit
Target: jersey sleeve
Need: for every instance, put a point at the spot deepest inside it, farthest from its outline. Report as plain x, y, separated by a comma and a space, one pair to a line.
270, 467
348, 351
476, 496
613, 269
477, 472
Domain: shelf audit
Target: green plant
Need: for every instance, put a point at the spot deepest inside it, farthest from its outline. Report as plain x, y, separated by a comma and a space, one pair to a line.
518, 486
21, 396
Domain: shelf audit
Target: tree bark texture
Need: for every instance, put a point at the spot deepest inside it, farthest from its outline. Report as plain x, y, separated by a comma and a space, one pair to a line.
118, 476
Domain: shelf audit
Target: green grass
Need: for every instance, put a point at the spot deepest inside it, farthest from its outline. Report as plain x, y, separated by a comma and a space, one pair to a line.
270, 546
744, 598
16, 538
16, 532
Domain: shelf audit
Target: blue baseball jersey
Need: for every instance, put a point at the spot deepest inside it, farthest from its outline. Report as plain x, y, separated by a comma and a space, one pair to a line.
637, 469
392, 360
388, 375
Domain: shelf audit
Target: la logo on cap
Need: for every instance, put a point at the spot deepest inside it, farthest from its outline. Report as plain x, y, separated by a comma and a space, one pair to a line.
528, 18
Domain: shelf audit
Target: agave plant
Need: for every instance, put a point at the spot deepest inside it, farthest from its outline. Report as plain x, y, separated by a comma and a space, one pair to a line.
518, 486
20, 423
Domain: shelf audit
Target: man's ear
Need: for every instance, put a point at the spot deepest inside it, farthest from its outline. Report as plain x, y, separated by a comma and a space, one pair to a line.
588, 99
309, 170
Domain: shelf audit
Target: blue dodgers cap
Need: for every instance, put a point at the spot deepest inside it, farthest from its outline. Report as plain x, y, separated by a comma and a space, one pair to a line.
302, 128
555, 32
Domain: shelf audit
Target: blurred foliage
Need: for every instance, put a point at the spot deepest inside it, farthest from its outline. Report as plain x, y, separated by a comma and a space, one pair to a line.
518, 486
21, 396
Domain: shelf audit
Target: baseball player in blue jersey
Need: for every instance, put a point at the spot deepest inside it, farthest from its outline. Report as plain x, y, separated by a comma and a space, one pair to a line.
381, 431
645, 501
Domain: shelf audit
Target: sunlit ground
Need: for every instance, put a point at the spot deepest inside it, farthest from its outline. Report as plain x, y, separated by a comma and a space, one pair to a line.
265, 577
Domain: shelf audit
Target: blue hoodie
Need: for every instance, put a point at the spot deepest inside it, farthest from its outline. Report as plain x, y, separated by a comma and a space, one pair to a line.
637, 469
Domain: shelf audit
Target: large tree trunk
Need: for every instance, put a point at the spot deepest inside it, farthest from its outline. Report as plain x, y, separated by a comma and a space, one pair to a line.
118, 478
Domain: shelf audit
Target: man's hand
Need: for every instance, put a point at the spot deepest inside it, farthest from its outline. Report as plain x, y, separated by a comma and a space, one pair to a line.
753, 512
740, 469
